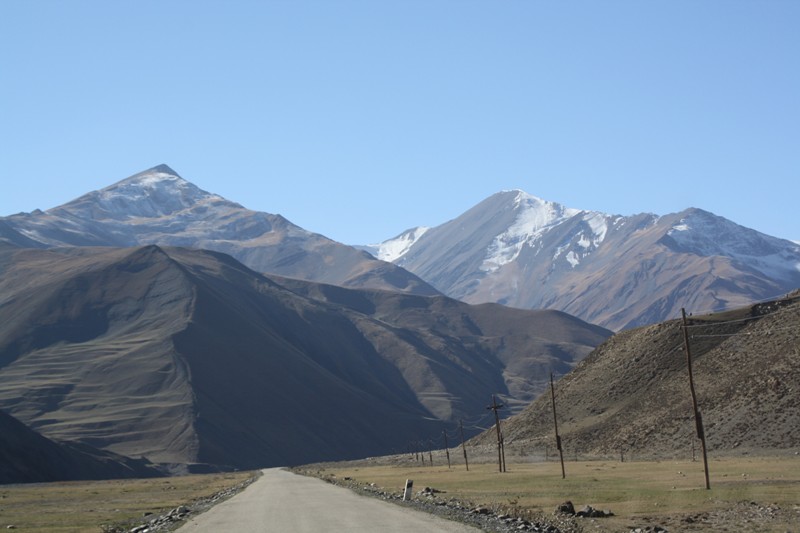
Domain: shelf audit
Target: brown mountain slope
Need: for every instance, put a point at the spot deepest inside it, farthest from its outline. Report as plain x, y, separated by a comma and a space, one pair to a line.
187, 356
526, 343
632, 394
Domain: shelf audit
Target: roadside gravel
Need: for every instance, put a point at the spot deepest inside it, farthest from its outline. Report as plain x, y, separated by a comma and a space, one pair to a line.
459, 510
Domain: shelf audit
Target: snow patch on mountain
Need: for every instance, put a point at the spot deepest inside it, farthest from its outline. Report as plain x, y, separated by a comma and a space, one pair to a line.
393, 249
572, 259
534, 218
598, 224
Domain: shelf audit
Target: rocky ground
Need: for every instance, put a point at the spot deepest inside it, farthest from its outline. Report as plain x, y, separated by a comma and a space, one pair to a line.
743, 516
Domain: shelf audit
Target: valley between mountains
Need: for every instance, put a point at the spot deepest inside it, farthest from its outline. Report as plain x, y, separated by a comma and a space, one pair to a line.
152, 327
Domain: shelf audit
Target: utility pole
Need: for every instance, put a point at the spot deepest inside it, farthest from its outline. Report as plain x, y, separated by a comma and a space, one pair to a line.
430, 452
501, 460
698, 419
463, 446
446, 447
555, 425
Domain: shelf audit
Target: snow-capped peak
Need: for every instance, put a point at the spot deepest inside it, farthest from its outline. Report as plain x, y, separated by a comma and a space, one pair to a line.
156, 192
393, 249
154, 176
534, 216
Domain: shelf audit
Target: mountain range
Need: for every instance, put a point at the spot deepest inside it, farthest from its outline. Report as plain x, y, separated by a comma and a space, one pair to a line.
616, 271
189, 358
513, 248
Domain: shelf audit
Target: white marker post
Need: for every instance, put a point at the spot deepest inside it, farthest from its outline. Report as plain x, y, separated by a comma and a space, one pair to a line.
407, 492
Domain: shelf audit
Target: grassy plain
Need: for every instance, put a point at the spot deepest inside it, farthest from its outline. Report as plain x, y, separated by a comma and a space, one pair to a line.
86, 506
638, 493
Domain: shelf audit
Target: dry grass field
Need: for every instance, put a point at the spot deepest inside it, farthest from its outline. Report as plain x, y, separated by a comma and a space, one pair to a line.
88, 506
747, 494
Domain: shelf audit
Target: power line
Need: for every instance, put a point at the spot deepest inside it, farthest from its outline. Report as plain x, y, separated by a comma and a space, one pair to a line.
745, 334
712, 324
769, 299
765, 333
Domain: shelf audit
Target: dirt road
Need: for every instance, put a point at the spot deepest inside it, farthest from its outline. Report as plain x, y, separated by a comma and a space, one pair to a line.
283, 502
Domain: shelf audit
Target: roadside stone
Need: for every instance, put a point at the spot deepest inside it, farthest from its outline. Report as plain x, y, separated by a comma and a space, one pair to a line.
590, 512
566, 508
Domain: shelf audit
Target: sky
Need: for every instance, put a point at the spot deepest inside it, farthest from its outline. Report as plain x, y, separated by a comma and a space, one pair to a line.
361, 119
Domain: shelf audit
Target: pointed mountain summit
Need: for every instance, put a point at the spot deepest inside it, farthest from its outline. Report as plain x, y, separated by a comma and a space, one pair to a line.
157, 206
156, 192
617, 271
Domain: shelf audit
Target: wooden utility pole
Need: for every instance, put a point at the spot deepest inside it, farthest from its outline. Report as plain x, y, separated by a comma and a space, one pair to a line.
501, 460
698, 419
463, 446
503, 450
430, 452
446, 448
555, 425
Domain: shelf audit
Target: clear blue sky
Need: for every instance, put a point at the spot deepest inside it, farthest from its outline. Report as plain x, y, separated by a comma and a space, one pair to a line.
360, 119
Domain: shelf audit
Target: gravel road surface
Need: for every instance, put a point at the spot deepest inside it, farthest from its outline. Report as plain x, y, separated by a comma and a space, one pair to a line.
280, 501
